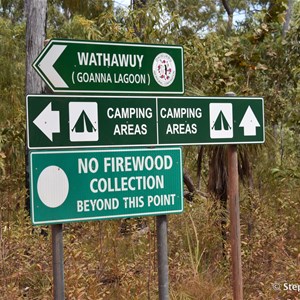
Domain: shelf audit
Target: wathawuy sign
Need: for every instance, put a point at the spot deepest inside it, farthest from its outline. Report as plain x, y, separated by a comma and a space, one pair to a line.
74, 66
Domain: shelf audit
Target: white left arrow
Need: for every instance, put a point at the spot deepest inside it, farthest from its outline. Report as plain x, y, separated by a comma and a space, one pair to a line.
249, 122
48, 121
46, 66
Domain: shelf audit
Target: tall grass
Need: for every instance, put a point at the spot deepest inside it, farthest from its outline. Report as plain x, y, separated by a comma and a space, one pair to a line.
114, 260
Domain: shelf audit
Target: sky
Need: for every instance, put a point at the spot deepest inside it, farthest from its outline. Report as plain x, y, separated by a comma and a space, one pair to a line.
124, 3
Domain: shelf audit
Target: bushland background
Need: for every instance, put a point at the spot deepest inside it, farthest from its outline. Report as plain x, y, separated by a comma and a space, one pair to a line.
249, 47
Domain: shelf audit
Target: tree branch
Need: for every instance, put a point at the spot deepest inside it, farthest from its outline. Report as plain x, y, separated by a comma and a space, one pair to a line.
229, 11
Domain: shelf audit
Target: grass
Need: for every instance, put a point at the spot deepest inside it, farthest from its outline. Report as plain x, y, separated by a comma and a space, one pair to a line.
104, 261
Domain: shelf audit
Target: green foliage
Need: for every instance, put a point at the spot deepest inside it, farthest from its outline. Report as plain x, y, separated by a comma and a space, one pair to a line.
12, 9
12, 142
293, 47
102, 261
88, 8
12, 68
12, 164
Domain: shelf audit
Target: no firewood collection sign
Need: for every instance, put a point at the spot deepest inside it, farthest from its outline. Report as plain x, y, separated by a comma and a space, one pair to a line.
86, 185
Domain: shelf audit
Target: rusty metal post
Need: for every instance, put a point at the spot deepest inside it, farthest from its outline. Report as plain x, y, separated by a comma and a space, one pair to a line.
234, 214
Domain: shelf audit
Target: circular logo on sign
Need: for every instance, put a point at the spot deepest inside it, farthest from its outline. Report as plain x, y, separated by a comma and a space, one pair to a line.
53, 186
164, 69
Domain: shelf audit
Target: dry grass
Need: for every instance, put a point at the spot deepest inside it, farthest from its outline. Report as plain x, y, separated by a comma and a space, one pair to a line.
113, 260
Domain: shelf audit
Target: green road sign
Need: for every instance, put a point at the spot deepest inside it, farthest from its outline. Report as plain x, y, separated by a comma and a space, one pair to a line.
94, 121
85, 185
113, 68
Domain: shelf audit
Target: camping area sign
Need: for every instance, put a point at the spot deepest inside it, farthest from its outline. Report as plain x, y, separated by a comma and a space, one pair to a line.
58, 121
72, 66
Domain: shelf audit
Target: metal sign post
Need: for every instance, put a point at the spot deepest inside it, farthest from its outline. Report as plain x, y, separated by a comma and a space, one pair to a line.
162, 257
234, 214
58, 262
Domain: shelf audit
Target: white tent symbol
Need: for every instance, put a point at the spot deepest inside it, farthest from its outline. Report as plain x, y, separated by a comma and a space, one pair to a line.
83, 121
221, 120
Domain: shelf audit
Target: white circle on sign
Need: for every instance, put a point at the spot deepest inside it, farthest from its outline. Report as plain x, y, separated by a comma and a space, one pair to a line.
53, 186
164, 69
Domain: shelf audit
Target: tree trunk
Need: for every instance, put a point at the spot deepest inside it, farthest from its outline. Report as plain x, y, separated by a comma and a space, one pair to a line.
35, 11
229, 11
288, 16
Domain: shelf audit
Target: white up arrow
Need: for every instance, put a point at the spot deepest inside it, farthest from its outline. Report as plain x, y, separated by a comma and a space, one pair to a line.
48, 121
249, 122
46, 66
